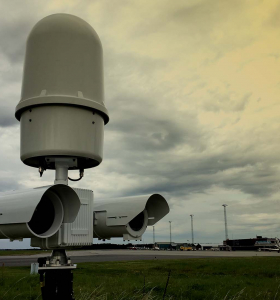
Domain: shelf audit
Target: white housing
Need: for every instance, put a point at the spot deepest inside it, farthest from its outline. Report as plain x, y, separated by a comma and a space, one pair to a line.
37, 212
122, 217
76, 234
62, 111
127, 217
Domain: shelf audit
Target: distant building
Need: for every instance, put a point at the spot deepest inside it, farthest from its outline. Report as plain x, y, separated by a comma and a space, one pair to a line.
166, 245
251, 244
176, 246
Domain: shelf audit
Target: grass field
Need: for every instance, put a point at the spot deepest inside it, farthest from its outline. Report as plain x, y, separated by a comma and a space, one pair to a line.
204, 278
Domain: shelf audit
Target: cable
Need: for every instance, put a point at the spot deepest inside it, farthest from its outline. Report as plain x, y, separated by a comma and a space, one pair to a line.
75, 179
81, 176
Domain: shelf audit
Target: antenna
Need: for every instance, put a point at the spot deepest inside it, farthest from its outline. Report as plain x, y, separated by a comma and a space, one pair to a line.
225, 215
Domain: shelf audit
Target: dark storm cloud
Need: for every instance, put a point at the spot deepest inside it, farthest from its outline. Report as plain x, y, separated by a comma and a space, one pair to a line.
149, 131
162, 174
146, 144
180, 182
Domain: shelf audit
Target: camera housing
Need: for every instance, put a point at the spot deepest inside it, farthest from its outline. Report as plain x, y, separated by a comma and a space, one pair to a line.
38, 212
128, 217
125, 218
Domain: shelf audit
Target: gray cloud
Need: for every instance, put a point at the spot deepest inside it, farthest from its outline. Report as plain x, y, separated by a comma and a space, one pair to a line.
7, 116
147, 147
223, 102
9, 184
13, 39
16, 23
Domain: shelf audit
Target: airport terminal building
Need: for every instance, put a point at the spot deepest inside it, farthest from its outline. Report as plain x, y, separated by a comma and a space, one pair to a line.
257, 243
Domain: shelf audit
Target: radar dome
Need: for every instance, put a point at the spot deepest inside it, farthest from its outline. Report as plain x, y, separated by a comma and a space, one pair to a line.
62, 111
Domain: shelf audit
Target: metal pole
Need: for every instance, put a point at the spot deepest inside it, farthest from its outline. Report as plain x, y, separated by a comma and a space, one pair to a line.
192, 228
61, 171
56, 277
154, 240
225, 215
170, 235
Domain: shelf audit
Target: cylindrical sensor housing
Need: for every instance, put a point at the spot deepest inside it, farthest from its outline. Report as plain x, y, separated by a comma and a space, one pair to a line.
37, 212
62, 111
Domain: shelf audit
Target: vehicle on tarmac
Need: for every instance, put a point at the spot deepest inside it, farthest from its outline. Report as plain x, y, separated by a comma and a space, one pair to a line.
271, 249
187, 248
270, 245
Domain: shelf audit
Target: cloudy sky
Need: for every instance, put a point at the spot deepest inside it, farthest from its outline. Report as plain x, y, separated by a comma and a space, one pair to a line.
192, 88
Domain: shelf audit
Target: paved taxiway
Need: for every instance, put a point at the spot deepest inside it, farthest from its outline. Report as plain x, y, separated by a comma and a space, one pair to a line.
130, 255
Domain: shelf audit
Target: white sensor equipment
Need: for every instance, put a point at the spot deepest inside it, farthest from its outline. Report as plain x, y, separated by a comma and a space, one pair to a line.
62, 116
62, 111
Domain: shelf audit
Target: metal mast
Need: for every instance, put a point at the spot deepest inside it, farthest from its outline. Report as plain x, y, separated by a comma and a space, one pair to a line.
170, 234
225, 214
192, 228
154, 240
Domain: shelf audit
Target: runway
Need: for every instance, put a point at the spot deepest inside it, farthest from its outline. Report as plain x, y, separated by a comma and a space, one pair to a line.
131, 255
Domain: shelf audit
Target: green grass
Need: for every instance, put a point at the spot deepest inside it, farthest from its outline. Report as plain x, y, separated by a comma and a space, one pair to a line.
216, 278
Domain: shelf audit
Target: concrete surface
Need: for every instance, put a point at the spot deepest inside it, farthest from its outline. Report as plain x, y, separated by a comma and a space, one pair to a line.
130, 255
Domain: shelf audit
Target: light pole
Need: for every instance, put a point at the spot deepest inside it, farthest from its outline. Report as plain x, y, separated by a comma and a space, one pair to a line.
170, 235
192, 228
225, 215
154, 240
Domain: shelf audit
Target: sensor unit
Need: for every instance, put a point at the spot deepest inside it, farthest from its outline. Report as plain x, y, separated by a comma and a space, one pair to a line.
38, 212
128, 217
62, 111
